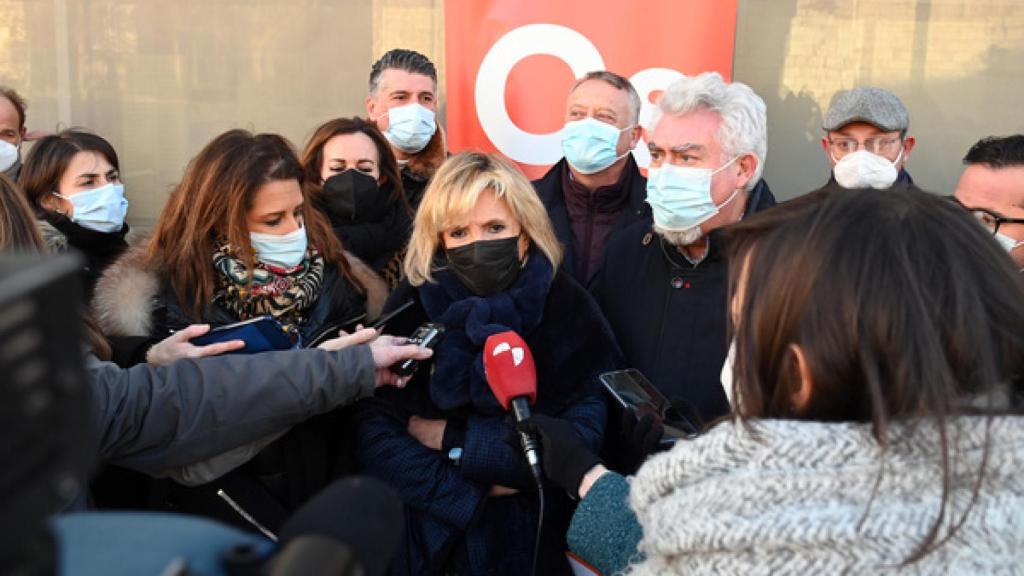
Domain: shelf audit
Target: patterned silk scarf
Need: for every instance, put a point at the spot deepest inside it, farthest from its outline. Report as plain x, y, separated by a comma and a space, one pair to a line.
284, 293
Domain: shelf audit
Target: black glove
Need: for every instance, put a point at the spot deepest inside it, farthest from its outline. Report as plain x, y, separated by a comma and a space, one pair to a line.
640, 437
566, 459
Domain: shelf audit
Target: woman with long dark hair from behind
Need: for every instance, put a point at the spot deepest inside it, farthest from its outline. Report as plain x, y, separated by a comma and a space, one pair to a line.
352, 176
877, 399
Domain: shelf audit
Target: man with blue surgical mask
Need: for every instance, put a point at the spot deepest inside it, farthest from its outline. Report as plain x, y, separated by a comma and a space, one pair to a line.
992, 189
866, 139
663, 284
403, 103
596, 190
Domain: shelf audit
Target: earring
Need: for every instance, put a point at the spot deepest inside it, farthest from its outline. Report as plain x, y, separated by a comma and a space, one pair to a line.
58, 209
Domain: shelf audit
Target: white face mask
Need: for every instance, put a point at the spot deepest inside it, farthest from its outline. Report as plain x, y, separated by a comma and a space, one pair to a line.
102, 209
862, 169
10, 158
1009, 244
728, 369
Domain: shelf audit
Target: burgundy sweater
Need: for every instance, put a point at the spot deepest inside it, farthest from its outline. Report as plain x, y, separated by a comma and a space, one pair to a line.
592, 216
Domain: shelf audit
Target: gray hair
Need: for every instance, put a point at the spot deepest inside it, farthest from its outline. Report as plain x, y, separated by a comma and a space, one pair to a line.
615, 81
401, 59
744, 128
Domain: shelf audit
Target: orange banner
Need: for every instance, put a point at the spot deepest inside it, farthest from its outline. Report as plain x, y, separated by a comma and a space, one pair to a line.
510, 63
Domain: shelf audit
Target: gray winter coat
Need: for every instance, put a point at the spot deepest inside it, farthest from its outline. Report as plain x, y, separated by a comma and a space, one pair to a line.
155, 420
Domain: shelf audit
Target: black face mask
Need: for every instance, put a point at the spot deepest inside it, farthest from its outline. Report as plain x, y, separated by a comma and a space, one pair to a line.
486, 267
353, 197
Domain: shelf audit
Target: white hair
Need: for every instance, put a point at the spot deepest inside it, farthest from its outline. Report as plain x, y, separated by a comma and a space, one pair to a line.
680, 237
744, 128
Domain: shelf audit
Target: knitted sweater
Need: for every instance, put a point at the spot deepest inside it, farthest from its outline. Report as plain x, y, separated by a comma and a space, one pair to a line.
807, 498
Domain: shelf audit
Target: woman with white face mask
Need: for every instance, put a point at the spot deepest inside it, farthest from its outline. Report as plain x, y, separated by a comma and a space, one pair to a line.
73, 181
238, 239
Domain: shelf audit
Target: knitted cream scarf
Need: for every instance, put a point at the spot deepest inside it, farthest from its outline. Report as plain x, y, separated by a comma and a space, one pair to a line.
800, 498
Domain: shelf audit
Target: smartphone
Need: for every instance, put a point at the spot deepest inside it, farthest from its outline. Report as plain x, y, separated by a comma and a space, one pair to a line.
631, 389
428, 335
260, 334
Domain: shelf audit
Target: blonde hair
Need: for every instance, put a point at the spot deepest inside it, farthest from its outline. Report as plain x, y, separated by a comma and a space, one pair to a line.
452, 194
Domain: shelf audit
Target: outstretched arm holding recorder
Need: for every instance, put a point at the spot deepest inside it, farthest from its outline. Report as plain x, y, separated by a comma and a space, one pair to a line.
153, 418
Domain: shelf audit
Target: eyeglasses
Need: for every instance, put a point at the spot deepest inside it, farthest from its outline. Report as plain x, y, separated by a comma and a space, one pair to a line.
882, 146
990, 220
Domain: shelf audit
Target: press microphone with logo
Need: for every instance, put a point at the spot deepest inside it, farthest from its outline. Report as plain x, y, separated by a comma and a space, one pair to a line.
512, 376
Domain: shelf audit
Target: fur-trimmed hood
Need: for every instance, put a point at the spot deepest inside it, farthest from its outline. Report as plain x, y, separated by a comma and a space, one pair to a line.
129, 292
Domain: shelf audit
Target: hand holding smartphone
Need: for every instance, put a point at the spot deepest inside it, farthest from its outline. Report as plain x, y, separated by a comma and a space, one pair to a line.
428, 335
631, 389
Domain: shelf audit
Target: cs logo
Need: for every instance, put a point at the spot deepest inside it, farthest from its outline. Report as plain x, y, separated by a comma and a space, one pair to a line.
581, 56
487, 42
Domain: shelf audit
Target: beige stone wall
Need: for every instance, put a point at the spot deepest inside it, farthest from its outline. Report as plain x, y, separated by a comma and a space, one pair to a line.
958, 65
413, 24
160, 79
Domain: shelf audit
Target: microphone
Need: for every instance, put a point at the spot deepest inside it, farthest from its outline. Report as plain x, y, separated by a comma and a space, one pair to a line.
351, 527
512, 376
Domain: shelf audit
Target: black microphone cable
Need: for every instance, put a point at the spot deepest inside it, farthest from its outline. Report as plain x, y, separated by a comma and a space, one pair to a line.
540, 523
521, 410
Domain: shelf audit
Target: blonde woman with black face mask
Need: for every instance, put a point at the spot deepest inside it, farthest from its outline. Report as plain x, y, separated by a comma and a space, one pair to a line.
483, 259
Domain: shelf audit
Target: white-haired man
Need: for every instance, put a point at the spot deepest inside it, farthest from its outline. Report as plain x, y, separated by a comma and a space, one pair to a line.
663, 285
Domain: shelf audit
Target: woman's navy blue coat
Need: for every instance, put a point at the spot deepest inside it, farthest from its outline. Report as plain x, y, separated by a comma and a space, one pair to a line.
451, 523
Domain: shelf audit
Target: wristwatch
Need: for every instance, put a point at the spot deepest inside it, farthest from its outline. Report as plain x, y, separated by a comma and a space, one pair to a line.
455, 456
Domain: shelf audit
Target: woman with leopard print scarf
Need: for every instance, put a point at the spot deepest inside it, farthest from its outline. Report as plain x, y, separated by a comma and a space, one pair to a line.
239, 239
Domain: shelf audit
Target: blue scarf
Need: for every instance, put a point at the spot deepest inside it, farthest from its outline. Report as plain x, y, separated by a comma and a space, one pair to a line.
458, 379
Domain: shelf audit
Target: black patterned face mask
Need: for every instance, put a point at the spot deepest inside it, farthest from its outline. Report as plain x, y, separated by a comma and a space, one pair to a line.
353, 197
486, 267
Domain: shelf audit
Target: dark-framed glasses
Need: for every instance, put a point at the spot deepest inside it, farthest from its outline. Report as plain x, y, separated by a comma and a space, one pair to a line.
987, 218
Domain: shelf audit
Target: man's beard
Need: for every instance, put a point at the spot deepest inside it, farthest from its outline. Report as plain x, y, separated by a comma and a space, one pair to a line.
680, 238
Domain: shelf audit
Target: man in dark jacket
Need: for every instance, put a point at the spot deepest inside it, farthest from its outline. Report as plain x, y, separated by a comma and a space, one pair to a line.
866, 139
596, 190
402, 101
663, 286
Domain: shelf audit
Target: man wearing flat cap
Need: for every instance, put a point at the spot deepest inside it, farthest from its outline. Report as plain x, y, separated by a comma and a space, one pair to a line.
866, 138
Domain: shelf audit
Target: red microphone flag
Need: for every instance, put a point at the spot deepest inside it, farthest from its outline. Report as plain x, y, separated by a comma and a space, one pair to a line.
509, 368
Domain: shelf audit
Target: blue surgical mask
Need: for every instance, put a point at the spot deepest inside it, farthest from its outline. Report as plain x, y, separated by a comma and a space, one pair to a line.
590, 145
680, 197
280, 250
101, 209
410, 127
